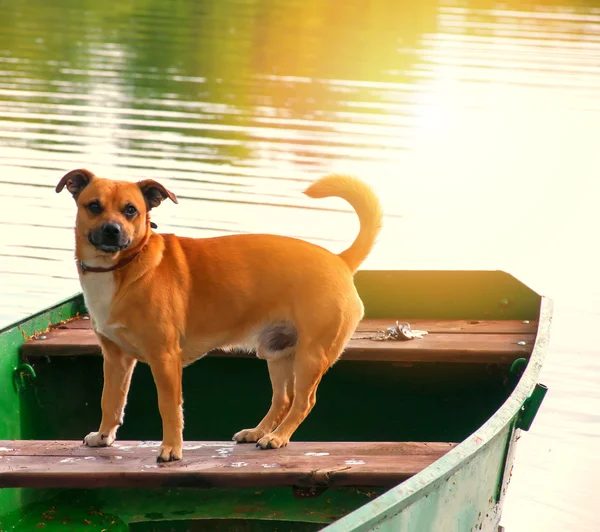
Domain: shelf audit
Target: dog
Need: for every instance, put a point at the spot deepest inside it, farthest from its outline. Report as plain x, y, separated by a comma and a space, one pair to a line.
167, 301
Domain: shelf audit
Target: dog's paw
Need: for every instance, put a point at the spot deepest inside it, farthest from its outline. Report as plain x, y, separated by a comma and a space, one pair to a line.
248, 435
272, 441
98, 439
169, 453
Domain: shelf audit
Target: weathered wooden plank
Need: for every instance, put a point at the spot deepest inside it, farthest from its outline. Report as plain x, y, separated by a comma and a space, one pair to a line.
463, 348
207, 448
68, 464
62, 342
449, 341
454, 326
432, 326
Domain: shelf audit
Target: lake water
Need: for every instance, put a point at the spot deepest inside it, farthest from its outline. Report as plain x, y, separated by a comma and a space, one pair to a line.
477, 122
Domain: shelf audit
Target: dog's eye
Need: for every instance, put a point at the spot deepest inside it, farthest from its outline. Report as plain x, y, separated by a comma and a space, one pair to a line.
130, 211
94, 207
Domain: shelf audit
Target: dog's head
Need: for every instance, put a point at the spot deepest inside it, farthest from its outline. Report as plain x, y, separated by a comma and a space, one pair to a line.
112, 215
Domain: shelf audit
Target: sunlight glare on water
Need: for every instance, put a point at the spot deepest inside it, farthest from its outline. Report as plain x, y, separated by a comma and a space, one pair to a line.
476, 122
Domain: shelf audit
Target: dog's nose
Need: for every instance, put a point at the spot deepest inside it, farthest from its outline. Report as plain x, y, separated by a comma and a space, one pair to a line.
111, 230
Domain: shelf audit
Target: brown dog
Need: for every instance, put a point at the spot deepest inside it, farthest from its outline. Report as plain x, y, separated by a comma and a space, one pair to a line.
292, 301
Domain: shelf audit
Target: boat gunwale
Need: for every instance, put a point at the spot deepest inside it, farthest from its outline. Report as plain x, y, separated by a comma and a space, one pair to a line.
75, 299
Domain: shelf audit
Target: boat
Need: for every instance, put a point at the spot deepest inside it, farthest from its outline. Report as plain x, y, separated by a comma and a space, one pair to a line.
411, 431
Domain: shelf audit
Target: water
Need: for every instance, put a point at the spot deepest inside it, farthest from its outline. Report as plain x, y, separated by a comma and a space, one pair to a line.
478, 124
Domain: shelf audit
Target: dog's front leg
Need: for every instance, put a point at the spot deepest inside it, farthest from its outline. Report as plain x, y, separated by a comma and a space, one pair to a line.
118, 369
167, 373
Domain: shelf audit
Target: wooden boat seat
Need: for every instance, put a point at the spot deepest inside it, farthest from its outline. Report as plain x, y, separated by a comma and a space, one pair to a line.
462, 341
70, 464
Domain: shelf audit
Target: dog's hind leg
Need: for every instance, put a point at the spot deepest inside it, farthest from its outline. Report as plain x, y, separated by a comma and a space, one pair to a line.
281, 372
311, 360
308, 372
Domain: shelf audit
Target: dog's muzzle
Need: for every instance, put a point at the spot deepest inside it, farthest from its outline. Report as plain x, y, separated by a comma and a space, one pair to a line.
109, 238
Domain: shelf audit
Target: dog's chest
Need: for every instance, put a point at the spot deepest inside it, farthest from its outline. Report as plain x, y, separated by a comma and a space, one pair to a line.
98, 292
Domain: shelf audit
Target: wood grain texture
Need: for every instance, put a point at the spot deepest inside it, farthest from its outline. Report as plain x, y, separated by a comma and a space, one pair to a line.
68, 464
493, 342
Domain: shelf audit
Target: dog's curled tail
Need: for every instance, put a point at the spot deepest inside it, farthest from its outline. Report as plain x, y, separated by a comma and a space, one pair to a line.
367, 207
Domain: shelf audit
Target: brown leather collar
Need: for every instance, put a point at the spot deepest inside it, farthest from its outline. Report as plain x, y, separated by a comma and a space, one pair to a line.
118, 265
97, 269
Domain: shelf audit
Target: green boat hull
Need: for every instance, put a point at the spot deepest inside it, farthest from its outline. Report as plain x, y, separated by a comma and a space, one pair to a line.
470, 404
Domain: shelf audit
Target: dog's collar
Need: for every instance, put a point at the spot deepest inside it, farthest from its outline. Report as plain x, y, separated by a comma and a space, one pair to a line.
97, 269
117, 266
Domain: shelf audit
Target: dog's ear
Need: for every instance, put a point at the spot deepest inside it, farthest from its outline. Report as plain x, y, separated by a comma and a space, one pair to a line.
154, 193
75, 181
